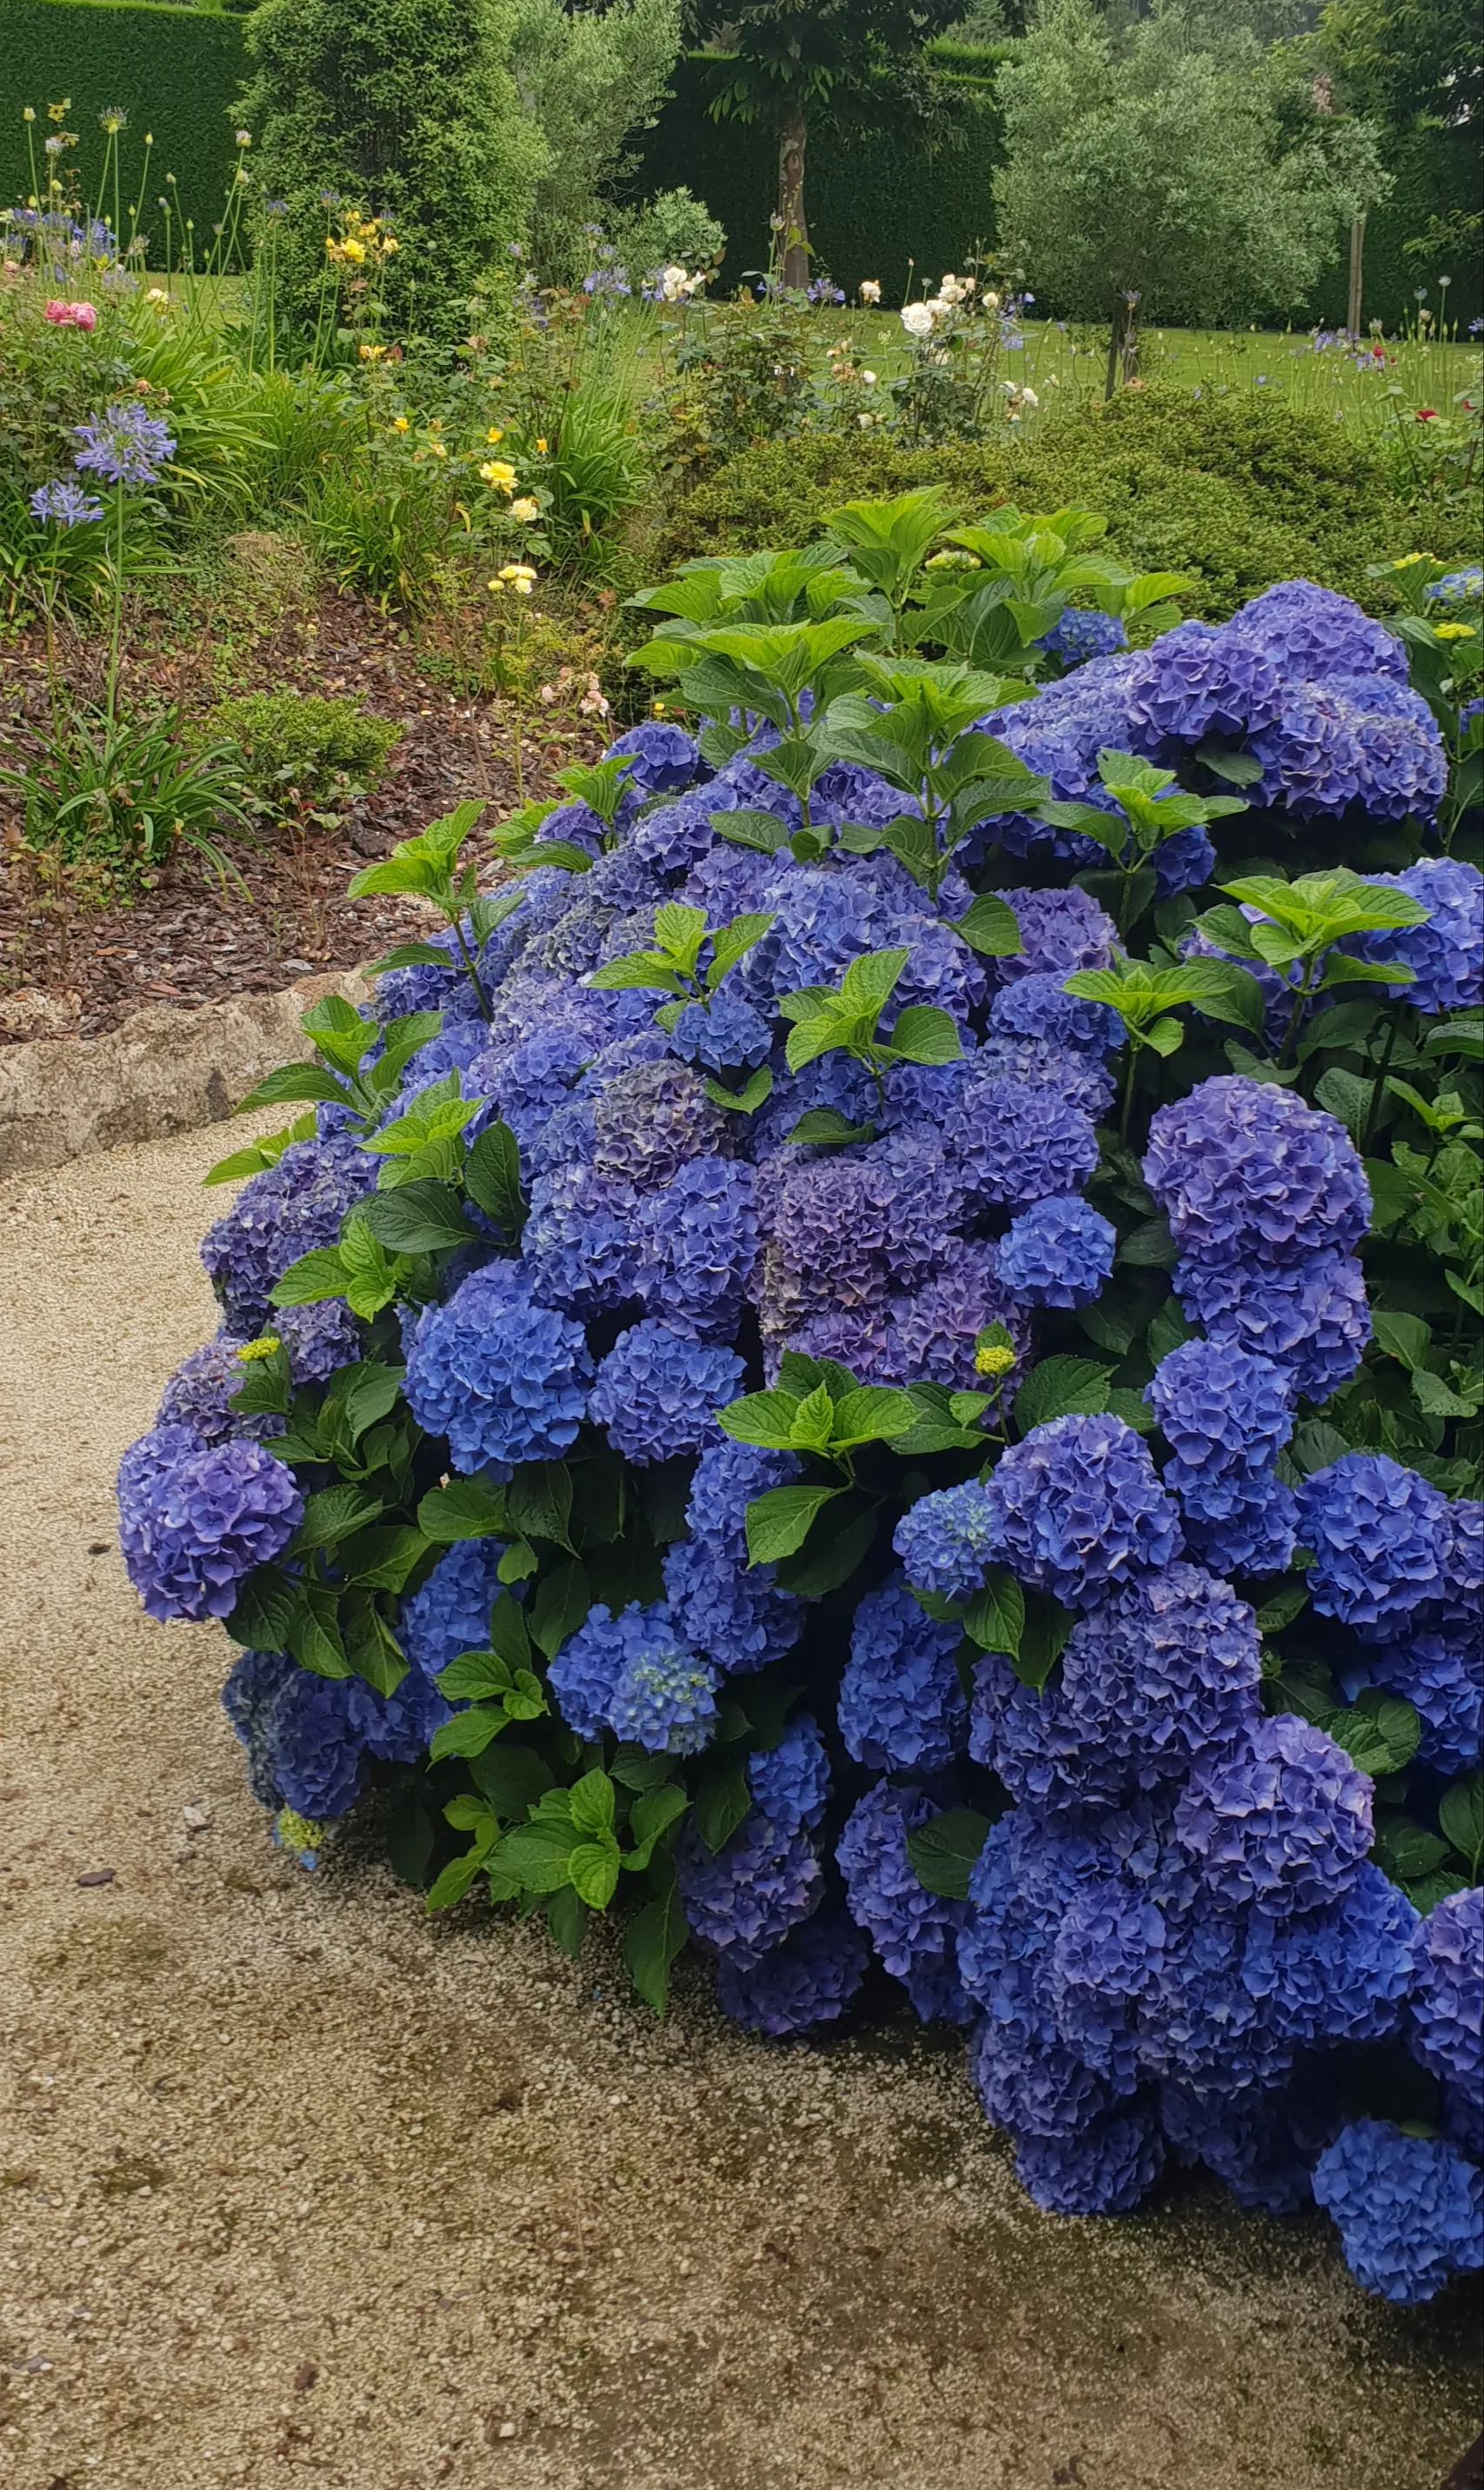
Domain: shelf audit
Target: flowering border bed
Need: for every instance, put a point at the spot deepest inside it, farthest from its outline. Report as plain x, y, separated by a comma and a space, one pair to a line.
810, 1376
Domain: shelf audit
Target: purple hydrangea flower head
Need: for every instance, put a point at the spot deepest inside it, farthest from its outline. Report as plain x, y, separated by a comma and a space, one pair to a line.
124, 445
1039, 1006
320, 1339
1079, 1510
1220, 1408
503, 1379
931, 1331
1458, 1609
1282, 1820
1108, 2168
665, 758
698, 1246
1236, 1521
195, 1519
1058, 1253
1379, 1534
1200, 680
1016, 1144
252, 1687
909, 1926
399, 1727
845, 1227
1312, 1319
536, 1077
1165, 1672
650, 1120
1247, 1172
657, 1391
901, 1705
724, 1036
1314, 633
674, 838
736, 1616
1339, 1974
1060, 929
790, 1782
808, 1980
449, 1613
1033, 2085
666, 1698
1443, 1681
1044, 1756
1262, 2145
200, 1393
1080, 633
288, 1211
1410, 2211
946, 1540
313, 1745
581, 1245
745, 1898
1446, 952
1447, 1999
1183, 862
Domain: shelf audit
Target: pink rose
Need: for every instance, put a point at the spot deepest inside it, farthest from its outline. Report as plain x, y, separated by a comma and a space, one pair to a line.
70, 315
83, 315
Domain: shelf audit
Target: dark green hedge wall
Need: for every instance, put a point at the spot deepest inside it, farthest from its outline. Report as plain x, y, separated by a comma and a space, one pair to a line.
875, 203
175, 72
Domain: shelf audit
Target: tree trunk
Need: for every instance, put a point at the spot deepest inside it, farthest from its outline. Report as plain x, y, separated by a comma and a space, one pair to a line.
792, 226
1122, 343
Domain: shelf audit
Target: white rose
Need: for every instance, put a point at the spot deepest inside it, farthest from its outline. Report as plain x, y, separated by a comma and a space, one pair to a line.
1028, 397
869, 379
870, 289
917, 319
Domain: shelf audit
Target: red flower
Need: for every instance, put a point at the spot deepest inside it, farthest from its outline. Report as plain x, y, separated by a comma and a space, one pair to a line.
1426, 413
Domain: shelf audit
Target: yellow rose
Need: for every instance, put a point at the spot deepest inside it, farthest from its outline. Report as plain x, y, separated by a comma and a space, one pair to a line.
526, 510
495, 472
352, 250
540, 449
400, 423
494, 434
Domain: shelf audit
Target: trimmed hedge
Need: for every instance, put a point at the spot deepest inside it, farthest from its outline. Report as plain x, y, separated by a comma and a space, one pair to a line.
1234, 494
175, 72
875, 204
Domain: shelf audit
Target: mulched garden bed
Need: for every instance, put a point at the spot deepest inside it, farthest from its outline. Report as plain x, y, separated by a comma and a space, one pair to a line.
188, 939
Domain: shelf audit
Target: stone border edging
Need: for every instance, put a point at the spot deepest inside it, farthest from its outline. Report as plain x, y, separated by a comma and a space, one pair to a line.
161, 1071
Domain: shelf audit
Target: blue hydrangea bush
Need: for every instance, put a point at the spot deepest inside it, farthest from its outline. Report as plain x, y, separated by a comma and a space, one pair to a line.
867, 1364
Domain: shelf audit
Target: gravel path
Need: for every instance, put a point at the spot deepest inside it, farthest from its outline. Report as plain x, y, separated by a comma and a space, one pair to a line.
294, 2180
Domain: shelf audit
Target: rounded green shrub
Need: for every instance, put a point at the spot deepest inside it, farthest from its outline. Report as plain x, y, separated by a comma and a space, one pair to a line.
317, 746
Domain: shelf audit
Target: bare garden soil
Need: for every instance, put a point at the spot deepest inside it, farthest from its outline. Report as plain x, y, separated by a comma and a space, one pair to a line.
188, 936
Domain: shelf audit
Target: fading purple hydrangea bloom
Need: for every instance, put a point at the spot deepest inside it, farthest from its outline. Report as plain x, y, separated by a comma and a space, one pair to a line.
648, 1121
744, 1899
200, 1393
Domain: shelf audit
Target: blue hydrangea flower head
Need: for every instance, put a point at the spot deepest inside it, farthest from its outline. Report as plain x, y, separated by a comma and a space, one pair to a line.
1016, 1144
1447, 1998
1446, 952
1080, 633
1443, 1681
1220, 1408
1184, 861
303, 1734
909, 1927
1058, 1253
1033, 2083
1261, 2145
290, 1210
808, 1980
790, 1782
733, 1613
581, 1244
195, 1519
901, 1705
698, 1247
248, 1698
657, 1391
1164, 1672
1409, 2209
1379, 1537
946, 1540
200, 1393
503, 1379
320, 1339
1046, 1756
1339, 1974
1039, 1006
1282, 1820
666, 759
1248, 1172
448, 1614
1078, 1509
1236, 1521
664, 1696
1311, 1318
1060, 929
1108, 2168
745, 1898
725, 1035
